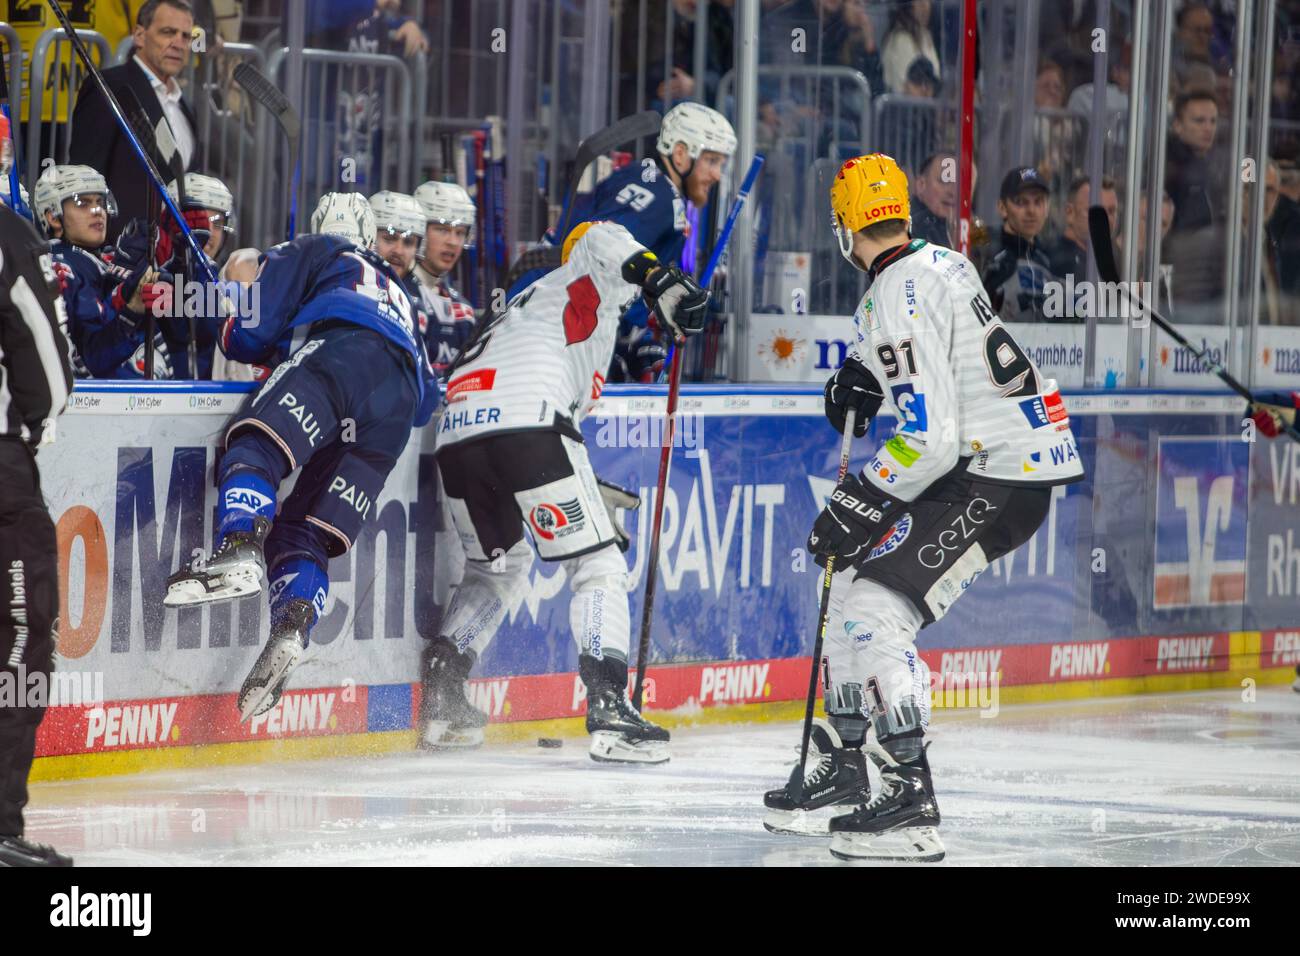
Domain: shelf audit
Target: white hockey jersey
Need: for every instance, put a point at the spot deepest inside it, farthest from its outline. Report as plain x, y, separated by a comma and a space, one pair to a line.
958, 382
543, 362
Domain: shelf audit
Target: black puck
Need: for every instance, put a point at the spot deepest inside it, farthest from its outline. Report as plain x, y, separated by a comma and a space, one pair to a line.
550, 743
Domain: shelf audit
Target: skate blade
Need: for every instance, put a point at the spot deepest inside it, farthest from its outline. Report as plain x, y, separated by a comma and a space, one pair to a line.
909, 844
610, 747
256, 699
192, 592
809, 823
438, 735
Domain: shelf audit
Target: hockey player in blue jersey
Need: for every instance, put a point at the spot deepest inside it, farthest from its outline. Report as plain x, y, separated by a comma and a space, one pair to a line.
341, 407
448, 230
106, 307
648, 199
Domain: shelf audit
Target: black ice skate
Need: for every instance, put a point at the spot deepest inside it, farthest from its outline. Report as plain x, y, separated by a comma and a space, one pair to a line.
899, 823
265, 682
450, 721
834, 776
235, 570
15, 851
619, 734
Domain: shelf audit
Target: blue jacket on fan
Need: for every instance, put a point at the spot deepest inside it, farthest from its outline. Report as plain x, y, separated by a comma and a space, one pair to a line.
318, 278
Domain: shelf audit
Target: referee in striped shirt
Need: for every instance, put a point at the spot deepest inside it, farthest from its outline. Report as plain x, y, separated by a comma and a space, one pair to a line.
35, 381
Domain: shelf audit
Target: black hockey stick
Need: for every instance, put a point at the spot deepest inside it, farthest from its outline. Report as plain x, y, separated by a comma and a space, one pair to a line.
823, 615
150, 169
1103, 250
158, 141
257, 85
597, 144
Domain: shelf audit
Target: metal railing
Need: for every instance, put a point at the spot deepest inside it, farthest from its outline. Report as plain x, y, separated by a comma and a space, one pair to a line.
357, 124
910, 128
56, 71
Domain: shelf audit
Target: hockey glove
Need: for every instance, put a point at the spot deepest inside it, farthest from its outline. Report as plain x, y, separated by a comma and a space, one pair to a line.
615, 498
1273, 411
680, 305
851, 521
852, 386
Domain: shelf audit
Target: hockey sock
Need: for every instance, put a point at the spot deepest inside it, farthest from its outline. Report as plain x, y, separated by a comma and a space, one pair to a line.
598, 612
299, 578
244, 495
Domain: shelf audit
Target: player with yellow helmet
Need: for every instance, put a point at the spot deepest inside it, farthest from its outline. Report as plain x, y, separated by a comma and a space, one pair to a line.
964, 480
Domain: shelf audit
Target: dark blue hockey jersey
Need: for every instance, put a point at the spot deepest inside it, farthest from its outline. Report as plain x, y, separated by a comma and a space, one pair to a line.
108, 346
319, 278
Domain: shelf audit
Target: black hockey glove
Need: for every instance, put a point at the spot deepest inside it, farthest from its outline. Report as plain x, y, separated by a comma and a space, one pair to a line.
679, 303
851, 521
616, 497
852, 386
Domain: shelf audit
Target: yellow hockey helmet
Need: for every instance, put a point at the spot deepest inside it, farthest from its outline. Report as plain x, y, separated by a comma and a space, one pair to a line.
572, 240
867, 190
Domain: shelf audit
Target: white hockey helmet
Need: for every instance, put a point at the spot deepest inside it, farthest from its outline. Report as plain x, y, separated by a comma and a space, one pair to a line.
398, 214
208, 192
448, 204
347, 215
699, 127
59, 183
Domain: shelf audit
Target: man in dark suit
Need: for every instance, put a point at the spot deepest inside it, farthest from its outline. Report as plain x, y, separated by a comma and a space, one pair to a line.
162, 37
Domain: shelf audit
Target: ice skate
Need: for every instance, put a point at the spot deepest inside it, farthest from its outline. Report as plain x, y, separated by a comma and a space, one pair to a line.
834, 776
235, 570
265, 682
450, 721
899, 823
15, 851
619, 734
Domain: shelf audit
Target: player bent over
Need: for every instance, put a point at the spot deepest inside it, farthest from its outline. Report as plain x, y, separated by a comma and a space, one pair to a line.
511, 457
964, 480
341, 407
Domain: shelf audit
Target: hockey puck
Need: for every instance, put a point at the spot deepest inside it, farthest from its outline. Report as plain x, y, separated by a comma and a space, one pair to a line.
550, 743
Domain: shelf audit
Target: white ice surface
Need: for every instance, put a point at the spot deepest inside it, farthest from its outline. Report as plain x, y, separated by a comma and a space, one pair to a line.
1182, 779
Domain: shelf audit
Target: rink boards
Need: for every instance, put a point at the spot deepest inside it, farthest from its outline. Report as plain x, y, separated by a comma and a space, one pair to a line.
1176, 564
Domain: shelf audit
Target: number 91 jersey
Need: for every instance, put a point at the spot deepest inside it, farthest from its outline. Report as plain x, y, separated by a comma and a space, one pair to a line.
959, 383
541, 364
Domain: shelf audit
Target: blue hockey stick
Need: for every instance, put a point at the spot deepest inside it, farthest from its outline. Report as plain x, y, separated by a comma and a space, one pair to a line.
666, 452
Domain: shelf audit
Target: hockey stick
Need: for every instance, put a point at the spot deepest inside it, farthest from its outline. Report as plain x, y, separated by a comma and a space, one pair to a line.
597, 144
823, 614
1104, 251
150, 169
157, 140
257, 85
666, 451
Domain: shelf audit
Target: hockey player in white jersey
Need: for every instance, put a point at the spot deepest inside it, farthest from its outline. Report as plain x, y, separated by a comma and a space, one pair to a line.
511, 457
964, 480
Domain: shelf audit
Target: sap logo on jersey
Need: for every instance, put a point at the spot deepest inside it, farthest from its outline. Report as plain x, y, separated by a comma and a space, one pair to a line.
911, 405
556, 521
894, 537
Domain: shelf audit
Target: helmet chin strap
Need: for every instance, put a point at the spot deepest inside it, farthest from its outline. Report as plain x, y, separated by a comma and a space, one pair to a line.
672, 164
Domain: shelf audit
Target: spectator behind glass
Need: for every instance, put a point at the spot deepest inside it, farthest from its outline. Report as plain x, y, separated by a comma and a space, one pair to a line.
1282, 227
934, 199
860, 50
1070, 254
1017, 275
1049, 86
1192, 177
1117, 90
907, 38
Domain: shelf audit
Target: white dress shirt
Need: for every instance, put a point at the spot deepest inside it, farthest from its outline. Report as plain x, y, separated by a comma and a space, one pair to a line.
169, 95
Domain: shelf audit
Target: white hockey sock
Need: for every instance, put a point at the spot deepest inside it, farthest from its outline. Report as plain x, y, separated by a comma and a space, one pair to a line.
598, 612
483, 597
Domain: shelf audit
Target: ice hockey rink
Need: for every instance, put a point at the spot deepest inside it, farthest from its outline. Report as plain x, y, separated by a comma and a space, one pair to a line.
1189, 779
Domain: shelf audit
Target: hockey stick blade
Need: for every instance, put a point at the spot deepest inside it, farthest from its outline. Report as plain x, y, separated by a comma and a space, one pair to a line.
257, 85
